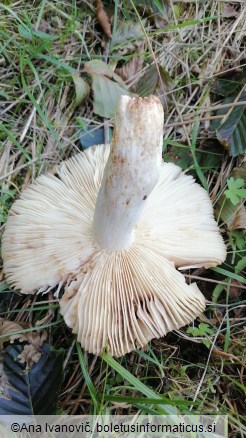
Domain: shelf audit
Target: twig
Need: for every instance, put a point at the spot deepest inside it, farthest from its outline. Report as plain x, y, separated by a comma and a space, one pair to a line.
195, 277
20, 168
222, 106
29, 121
208, 360
188, 122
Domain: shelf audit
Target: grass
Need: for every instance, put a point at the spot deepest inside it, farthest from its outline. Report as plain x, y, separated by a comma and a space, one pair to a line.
42, 44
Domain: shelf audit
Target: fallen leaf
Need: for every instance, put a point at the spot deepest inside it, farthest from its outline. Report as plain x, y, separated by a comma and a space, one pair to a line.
107, 87
4, 384
82, 89
239, 220
231, 82
31, 352
225, 87
233, 216
235, 292
103, 18
156, 80
106, 94
101, 68
127, 36
132, 67
158, 12
29, 356
33, 391
228, 11
240, 171
8, 331
232, 131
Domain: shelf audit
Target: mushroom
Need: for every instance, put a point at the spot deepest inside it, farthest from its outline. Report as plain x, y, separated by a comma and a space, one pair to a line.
111, 226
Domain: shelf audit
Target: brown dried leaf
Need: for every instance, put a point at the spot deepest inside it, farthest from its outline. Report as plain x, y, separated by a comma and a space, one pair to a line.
235, 291
233, 216
8, 331
82, 89
131, 68
240, 171
239, 220
31, 352
37, 338
4, 384
103, 19
228, 11
29, 355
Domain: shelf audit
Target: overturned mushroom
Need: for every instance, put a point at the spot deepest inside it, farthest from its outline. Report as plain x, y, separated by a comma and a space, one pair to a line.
111, 226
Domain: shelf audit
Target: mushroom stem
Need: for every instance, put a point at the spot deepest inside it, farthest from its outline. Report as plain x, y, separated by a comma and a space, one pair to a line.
131, 172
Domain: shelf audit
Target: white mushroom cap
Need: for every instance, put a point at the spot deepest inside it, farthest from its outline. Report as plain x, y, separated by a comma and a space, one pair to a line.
119, 293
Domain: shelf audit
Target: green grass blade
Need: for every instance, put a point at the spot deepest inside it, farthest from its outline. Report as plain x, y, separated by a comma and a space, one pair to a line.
166, 409
193, 148
230, 274
32, 329
86, 375
144, 400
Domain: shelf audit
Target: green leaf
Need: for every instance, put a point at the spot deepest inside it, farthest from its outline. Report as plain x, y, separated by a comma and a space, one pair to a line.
101, 68
157, 82
207, 343
217, 292
202, 330
235, 192
235, 183
232, 132
225, 87
25, 32
107, 88
31, 391
57, 63
193, 151
3, 287
82, 89
237, 239
106, 94
43, 35
148, 82
126, 34
28, 33
241, 265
